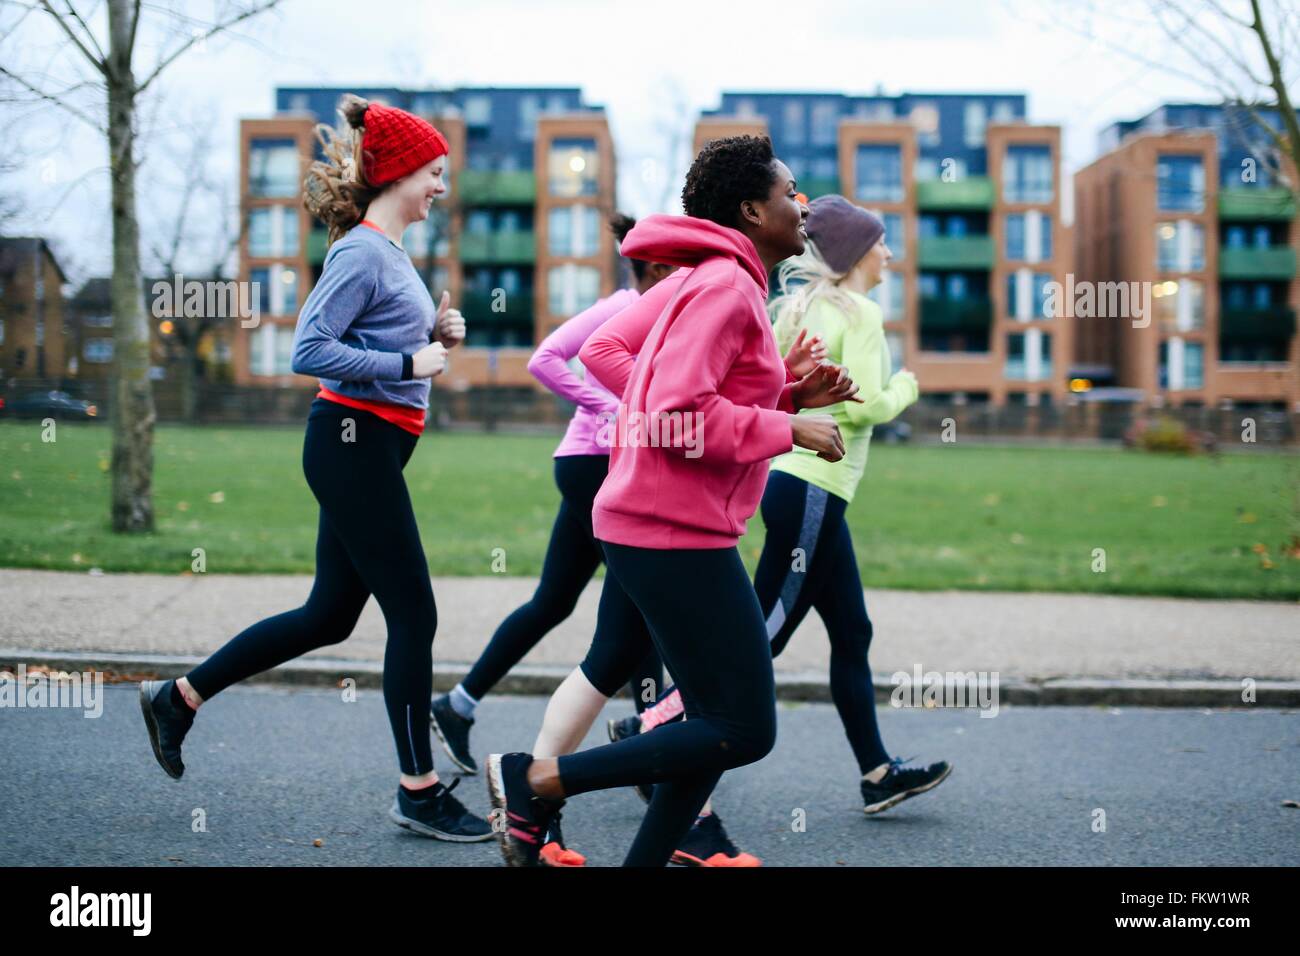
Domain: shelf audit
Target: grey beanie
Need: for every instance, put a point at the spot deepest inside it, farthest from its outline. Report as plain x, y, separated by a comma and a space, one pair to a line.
843, 231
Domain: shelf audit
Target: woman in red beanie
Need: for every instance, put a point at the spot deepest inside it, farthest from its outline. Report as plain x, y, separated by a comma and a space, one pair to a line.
372, 335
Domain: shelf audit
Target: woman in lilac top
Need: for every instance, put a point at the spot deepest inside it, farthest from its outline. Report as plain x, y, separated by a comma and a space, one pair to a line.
581, 463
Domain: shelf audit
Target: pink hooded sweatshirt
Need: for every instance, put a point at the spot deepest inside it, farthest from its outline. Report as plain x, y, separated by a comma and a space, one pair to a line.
708, 401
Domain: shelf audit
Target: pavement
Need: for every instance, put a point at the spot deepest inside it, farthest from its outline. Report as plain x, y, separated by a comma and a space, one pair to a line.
1046, 648
272, 770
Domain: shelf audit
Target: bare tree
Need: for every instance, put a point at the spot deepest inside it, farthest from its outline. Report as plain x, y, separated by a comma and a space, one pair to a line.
1246, 52
106, 69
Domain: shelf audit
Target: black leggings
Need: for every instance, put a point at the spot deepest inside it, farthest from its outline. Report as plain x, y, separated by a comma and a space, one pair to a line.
705, 620
571, 559
808, 563
367, 543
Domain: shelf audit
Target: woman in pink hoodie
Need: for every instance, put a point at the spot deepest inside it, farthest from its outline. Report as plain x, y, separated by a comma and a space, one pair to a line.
708, 403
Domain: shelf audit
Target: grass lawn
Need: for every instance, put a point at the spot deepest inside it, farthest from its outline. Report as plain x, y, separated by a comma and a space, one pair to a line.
929, 517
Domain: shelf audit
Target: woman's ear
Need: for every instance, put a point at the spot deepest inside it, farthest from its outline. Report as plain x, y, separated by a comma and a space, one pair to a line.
749, 212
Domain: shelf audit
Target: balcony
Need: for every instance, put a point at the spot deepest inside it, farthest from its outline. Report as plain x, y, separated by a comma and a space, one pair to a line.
1259, 262
971, 193
488, 187
1274, 204
477, 308
956, 252
955, 315
1258, 325
815, 186
317, 246
516, 247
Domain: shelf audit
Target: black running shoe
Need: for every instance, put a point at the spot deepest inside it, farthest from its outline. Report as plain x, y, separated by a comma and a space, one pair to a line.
439, 815
621, 730
167, 724
452, 731
707, 844
901, 782
522, 818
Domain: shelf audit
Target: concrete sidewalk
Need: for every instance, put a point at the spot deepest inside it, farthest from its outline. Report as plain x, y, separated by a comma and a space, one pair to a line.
1034, 639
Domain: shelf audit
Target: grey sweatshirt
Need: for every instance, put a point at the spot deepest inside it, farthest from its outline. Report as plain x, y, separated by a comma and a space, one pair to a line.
364, 319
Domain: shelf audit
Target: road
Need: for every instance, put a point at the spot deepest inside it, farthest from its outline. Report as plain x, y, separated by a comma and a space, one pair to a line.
274, 770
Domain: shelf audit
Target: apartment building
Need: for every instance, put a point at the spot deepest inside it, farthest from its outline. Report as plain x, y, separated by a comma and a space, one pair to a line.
33, 336
971, 197
1184, 202
519, 241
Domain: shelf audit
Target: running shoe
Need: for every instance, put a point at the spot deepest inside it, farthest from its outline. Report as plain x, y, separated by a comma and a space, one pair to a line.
452, 731
707, 844
621, 730
554, 852
167, 724
439, 815
523, 818
901, 782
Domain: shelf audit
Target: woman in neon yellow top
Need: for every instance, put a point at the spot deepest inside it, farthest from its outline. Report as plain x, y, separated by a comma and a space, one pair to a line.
808, 560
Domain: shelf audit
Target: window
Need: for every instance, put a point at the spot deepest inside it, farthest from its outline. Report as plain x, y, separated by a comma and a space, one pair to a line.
1027, 295
925, 117
792, 123
478, 110
529, 110
98, 351
283, 349
894, 342
1028, 236
889, 296
1029, 356
880, 173
1182, 365
288, 291
273, 231
1180, 183
276, 288
1179, 306
573, 231
273, 167
571, 288
1027, 174
573, 167
825, 123
894, 235
479, 222
975, 121
1180, 246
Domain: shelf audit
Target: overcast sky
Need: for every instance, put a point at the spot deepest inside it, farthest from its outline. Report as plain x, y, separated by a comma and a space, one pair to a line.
635, 59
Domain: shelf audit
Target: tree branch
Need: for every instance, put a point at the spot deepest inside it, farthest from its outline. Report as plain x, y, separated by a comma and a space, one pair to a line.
98, 64
41, 94
217, 28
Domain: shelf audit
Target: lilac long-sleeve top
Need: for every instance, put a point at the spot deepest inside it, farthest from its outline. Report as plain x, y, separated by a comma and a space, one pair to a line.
550, 366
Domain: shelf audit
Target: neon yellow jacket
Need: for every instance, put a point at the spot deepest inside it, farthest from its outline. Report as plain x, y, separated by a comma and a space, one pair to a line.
860, 345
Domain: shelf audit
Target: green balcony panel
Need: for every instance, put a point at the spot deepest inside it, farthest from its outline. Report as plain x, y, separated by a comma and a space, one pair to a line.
516, 309
317, 246
497, 248
955, 315
815, 186
1257, 325
956, 252
485, 187
1274, 204
1269, 262
971, 193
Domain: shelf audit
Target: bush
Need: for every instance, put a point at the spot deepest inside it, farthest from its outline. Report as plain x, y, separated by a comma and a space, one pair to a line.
1166, 435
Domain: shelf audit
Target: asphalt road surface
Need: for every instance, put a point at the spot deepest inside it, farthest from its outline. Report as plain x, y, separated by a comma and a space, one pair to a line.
273, 770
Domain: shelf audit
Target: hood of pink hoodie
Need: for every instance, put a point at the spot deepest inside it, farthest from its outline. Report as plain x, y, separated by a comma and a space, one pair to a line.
687, 241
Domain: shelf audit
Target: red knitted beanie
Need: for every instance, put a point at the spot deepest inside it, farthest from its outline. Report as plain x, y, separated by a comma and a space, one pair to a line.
397, 143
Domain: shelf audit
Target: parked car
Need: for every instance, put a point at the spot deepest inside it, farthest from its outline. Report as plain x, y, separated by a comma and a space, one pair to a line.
48, 405
892, 432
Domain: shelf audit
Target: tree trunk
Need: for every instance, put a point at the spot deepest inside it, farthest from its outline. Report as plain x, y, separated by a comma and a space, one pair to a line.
132, 403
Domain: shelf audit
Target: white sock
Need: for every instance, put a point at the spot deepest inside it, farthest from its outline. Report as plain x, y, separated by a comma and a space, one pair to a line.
572, 710
462, 703
877, 775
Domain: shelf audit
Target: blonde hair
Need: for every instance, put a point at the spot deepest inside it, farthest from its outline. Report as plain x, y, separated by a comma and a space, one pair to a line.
335, 190
803, 280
